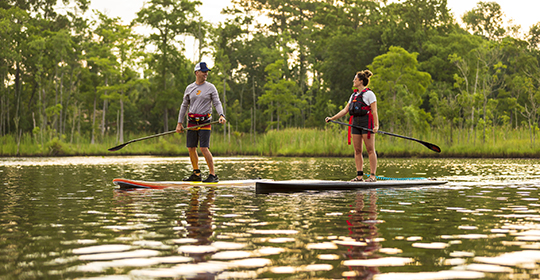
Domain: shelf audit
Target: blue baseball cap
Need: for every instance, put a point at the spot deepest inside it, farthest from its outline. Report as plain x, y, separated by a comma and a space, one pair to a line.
201, 66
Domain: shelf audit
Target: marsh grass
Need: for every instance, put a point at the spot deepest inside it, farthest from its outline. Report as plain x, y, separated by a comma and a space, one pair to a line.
329, 142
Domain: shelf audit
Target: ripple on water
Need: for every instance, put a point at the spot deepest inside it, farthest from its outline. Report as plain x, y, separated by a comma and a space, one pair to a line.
526, 258
102, 266
122, 255
108, 277
221, 245
231, 255
183, 270
488, 268
433, 245
446, 274
297, 225
306, 268
278, 240
194, 249
389, 261
102, 249
461, 254
328, 257
273, 231
321, 246
185, 241
390, 251
268, 251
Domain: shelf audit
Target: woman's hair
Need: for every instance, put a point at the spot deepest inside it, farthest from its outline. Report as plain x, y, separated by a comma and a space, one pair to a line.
364, 76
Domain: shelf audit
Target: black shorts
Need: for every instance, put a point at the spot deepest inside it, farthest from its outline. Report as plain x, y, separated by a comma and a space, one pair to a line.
362, 121
195, 137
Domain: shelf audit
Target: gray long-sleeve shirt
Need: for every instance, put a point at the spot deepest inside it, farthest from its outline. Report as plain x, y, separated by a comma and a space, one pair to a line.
199, 100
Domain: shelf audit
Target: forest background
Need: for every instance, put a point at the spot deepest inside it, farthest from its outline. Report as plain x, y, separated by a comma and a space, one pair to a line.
74, 85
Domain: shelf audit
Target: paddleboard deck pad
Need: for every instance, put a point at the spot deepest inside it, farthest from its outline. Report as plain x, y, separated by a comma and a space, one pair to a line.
324, 185
136, 184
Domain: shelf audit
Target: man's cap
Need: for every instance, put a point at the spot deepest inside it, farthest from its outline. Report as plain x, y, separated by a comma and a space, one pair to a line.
201, 66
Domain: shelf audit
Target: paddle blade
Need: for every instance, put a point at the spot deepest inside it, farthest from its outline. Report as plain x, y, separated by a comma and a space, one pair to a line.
432, 147
114, 149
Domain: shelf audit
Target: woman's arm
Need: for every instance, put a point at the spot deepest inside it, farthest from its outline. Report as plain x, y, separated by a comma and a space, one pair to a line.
375, 116
340, 114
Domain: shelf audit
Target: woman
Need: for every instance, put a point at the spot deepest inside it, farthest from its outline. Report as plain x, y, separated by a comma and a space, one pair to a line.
362, 107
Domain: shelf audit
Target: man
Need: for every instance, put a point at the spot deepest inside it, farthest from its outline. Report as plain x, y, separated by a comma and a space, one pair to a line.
198, 100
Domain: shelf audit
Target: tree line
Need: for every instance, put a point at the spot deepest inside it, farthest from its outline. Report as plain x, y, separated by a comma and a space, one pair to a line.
81, 73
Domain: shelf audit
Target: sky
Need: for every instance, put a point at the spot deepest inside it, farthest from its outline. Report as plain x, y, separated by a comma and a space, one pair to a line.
522, 12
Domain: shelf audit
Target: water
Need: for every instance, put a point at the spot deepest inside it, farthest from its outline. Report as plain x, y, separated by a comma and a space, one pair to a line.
62, 218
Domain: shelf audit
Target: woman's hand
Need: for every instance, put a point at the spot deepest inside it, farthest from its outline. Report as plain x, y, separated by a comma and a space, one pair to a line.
328, 119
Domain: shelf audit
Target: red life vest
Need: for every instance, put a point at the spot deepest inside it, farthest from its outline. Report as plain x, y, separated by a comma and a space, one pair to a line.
362, 110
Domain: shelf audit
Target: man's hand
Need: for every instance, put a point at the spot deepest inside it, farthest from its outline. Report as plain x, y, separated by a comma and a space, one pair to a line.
222, 119
179, 128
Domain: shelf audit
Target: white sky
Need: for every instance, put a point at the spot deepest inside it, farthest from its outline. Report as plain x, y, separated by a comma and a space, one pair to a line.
523, 12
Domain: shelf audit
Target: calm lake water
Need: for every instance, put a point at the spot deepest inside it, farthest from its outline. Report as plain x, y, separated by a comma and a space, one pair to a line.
62, 218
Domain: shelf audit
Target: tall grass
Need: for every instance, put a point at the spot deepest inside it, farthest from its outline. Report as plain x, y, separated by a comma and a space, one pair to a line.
331, 141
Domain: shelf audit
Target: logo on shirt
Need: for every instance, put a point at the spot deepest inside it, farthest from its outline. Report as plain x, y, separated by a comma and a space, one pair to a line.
198, 92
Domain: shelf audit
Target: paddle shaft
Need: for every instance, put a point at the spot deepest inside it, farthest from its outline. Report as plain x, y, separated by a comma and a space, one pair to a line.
430, 146
158, 135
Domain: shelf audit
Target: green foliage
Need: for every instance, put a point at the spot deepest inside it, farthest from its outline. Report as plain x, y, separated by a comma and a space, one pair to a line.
400, 88
56, 147
279, 96
330, 141
486, 20
96, 81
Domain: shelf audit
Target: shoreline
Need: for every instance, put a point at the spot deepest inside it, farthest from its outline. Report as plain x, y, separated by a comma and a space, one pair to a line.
293, 142
379, 155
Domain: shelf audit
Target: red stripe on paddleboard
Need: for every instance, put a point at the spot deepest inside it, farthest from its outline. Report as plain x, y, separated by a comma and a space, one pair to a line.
137, 184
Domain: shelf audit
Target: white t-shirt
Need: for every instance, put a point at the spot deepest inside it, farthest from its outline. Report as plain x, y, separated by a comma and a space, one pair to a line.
368, 97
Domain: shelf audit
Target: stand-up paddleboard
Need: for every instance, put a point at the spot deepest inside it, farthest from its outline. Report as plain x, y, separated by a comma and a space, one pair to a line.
136, 184
324, 185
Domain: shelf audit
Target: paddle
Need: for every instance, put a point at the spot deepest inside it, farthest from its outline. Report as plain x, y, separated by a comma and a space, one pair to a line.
113, 149
430, 146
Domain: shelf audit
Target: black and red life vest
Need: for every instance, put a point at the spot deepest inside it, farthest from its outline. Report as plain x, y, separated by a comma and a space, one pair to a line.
358, 108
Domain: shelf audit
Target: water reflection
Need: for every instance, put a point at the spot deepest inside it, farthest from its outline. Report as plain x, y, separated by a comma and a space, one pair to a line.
363, 229
199, 216
199, 228
62, 219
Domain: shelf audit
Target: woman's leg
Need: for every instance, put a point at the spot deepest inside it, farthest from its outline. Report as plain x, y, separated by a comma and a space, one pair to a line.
370, 148
358, 159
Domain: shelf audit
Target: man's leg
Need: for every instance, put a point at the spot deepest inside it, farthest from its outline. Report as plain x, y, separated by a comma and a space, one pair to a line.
192, 138
209, 160
194, 157
204, 138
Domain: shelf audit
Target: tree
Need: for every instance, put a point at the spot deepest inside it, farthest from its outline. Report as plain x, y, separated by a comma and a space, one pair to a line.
486, 20
490, 70
534, 36
125, 51
170, 18
11, 36
413, 22
103, 63
530, 93
279, 96
399, 87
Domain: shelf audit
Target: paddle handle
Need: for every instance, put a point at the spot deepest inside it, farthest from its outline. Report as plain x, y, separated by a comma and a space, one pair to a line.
172, 131
428, 145
158, 135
